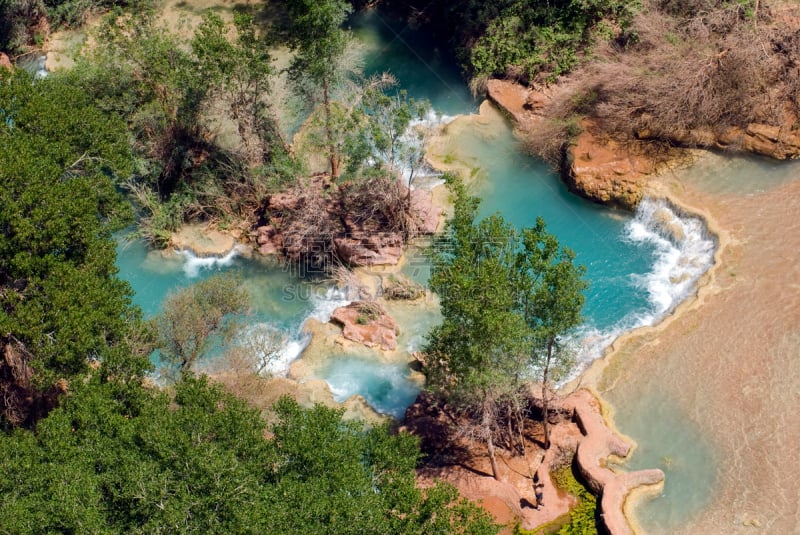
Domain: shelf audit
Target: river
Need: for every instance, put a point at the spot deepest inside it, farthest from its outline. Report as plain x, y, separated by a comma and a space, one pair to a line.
640, 267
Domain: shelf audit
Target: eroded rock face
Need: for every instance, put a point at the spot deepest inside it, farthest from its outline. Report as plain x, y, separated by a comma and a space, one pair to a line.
604, 170
367, 323
426, 214
778, 142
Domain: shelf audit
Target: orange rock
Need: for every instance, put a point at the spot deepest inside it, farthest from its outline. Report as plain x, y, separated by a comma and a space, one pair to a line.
368, 324
605, 170
5, 62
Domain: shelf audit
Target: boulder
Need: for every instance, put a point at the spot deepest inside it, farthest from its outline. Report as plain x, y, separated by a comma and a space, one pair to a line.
367, 323
519, 102
604, 170
5, 62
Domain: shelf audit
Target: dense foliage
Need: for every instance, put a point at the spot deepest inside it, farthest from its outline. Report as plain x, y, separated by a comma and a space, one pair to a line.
116, 459
172, 91
523, 39
61, 304
25, 23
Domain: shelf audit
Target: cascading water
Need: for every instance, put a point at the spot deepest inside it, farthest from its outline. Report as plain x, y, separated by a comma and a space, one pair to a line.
639, 267
683, 251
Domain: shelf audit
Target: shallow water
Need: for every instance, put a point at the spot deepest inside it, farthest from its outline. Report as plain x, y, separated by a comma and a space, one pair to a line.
715, 391
630, 266
386, 386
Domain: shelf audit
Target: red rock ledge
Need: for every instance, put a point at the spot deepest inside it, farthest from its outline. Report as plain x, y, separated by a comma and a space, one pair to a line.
577, 426
598, 444
596, 167
367, 323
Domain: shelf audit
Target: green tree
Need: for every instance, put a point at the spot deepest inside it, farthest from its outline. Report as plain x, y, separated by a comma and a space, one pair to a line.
319, 44
477, 355
116, 458
507, 297
145, 74
195, 318
240, 71
362, 481
61, 304
120, 458
551, 291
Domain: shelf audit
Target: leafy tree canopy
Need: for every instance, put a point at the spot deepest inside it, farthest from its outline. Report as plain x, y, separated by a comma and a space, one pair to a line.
507, 297
61, 303
127, 460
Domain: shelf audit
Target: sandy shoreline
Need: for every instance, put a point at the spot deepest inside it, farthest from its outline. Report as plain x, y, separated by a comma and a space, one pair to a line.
730, 355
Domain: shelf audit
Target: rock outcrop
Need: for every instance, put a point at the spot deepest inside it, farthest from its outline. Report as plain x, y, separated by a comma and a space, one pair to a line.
611, 172
604, 170
5, 63
778, 142
367, 323
595, 166
202, 241
577, 426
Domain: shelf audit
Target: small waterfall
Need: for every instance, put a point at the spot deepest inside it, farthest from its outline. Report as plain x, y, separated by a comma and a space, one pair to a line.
194, 264
36, 65
684, 251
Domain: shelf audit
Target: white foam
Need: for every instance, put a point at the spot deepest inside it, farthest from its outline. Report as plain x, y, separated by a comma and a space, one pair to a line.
194, 264
288, 354
684, 251
326, 302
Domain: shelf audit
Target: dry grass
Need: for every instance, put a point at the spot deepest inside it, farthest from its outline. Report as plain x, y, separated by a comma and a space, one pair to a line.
694, 66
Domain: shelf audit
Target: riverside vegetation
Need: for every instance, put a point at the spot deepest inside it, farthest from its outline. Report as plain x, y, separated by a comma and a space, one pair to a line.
132, 125
77, 404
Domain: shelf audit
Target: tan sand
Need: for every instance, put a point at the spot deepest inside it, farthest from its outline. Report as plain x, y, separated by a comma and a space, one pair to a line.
732, 358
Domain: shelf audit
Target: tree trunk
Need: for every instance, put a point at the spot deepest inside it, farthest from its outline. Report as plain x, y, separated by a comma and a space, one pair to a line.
334, 160
545, 376
493, 458
486, 422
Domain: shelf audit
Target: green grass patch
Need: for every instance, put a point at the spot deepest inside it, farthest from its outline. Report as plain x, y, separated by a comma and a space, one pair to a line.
581, 519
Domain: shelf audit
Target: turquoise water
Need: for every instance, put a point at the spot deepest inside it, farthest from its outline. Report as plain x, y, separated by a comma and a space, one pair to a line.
414, 58
277, 296
521, 188
668, 439
621, 252
628, 268
386, 387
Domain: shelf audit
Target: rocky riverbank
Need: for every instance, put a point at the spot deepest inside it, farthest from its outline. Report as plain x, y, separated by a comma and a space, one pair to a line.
603, 169
579, 431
